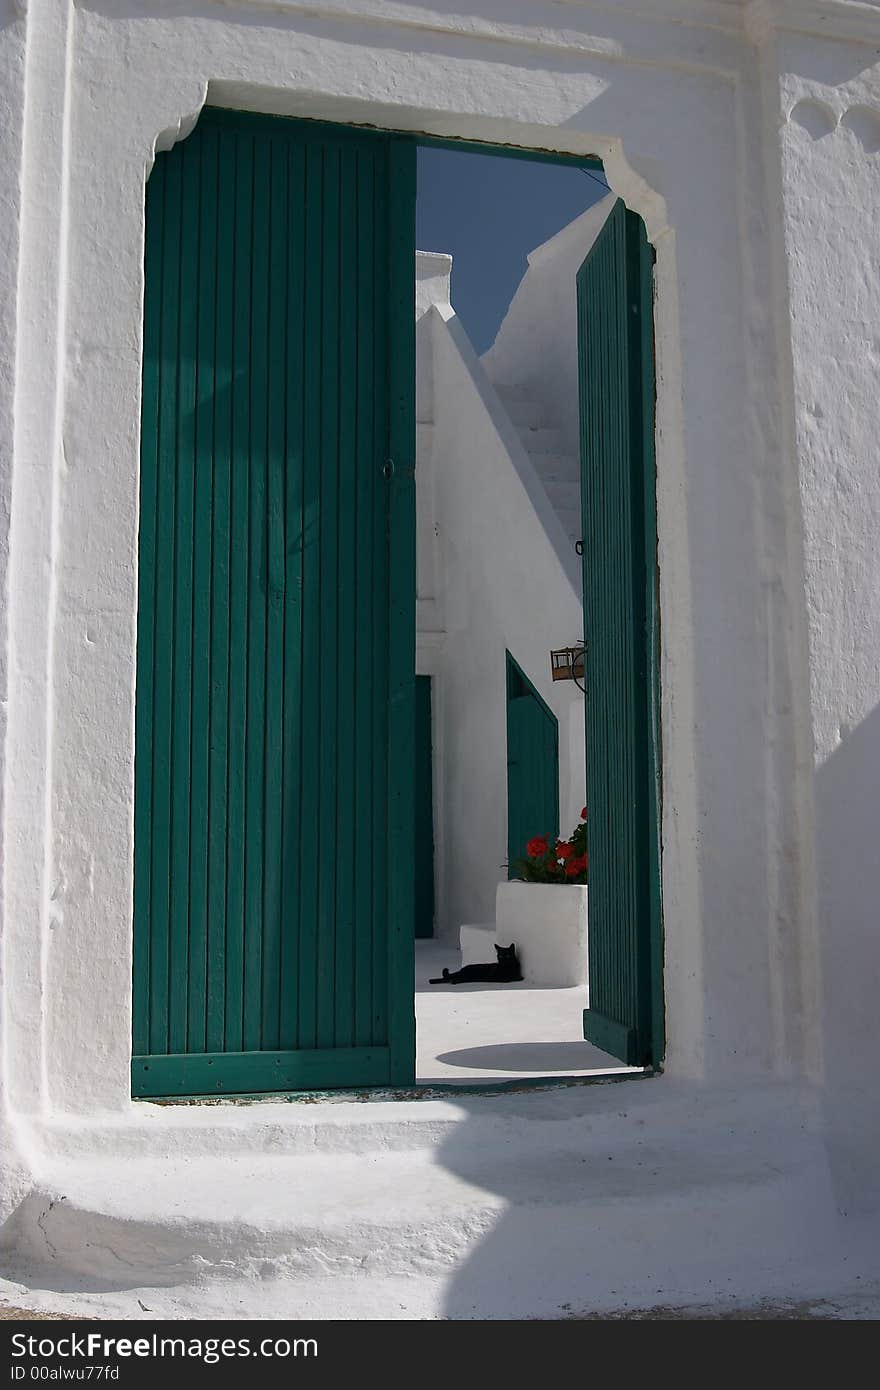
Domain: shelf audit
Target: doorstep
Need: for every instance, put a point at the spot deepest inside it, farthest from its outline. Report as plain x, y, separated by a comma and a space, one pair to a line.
549, 1204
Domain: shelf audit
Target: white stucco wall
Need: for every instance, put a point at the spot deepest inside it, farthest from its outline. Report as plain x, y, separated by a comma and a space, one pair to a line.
13, 1163
766, 508
535, 347
504, 588
829, 111
667, 108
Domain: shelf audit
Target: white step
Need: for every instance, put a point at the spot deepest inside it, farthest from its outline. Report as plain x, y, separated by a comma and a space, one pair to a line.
536, 1204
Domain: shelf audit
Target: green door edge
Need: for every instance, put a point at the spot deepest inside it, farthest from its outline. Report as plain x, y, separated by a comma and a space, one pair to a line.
604, 1032
424, 816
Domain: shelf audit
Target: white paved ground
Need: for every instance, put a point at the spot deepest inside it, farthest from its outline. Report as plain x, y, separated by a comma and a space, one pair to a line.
471, 1034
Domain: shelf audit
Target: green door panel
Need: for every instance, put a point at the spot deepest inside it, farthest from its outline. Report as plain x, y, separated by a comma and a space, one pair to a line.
532, 765
274, 786
424, 818
616, 369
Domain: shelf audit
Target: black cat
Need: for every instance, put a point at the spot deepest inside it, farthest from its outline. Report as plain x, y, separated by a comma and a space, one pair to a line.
501, 972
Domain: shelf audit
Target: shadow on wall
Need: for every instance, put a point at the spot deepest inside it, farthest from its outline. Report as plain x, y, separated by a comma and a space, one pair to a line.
847, 789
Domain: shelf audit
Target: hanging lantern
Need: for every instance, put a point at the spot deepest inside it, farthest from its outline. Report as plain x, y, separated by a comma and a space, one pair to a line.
567, 664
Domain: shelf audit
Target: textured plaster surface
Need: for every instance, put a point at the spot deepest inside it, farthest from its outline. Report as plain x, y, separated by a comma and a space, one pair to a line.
536, 344
564, 1202
830, 178
751, 152
663, 105
504, 587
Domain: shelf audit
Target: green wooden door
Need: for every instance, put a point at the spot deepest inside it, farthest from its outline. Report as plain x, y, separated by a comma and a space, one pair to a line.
616, 357
273, 789
424, 814
532, 765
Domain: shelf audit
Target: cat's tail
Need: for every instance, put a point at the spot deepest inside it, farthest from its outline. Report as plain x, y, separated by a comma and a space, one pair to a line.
443, 978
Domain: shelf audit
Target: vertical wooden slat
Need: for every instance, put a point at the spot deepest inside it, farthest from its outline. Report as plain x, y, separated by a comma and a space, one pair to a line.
201, 596
187, 160
400, 945
312, 749
239, 596
380, 495
164, 620
144, 737
346, 588
327, 671
221, 540
294, 522
423, 909
276, 416
368, 842
257, 585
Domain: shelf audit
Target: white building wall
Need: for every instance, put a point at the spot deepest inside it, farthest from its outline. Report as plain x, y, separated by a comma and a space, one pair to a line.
15, 1179
504, 588
670, 108
826, 99
766, 471
535, 347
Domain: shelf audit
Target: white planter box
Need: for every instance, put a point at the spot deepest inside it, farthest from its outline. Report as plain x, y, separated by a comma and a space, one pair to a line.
547, 922
477, 942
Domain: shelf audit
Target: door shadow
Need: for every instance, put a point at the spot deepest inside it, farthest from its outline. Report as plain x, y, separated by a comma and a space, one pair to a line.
528, 1057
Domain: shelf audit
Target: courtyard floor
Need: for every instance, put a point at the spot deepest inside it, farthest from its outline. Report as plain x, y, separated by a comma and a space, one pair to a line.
471, 1035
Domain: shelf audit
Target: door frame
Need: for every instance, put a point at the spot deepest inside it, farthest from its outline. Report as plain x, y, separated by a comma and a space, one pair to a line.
402, 613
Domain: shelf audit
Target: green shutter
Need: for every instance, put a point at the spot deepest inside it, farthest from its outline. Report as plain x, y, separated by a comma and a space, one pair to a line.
273, 764
615, 346
532, 765
424, 819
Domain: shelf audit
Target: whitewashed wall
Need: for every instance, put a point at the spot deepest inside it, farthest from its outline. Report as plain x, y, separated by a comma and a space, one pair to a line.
503, 588
830, 185
535, 347
13, 1166
767, 572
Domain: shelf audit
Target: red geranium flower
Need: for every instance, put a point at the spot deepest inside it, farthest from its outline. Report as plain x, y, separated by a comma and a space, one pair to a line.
564, 850
584, 813
575, 867
537, 847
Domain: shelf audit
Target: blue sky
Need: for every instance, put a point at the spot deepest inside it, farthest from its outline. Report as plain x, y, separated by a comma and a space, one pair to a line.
488, 212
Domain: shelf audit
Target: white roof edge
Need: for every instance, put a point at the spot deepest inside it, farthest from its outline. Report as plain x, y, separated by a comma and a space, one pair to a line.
588, 221
440, 261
